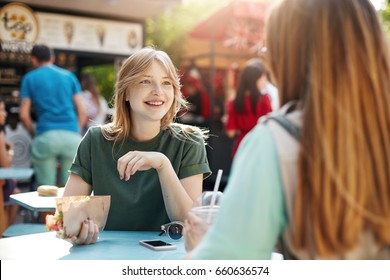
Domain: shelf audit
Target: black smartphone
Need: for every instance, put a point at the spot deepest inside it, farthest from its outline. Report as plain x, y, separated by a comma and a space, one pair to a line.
157, 245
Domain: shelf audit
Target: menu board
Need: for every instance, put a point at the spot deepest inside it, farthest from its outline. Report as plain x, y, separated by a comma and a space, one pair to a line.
21, 28
88, 34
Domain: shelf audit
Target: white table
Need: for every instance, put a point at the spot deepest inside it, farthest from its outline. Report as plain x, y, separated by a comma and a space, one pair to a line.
34, 202
111, 245
16, 173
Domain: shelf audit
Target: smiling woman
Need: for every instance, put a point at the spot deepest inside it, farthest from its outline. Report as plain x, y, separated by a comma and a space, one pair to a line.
150, 99
142, 137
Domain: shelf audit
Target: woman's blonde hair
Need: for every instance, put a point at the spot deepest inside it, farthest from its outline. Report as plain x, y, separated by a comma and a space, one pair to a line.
332, 55
130, 73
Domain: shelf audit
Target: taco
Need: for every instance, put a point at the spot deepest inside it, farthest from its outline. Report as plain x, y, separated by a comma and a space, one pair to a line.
72, 211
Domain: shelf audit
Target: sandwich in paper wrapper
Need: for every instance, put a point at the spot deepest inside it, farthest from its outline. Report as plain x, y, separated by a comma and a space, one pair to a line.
72, 211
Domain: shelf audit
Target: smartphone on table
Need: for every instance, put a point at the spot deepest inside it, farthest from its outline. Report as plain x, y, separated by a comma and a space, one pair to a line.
157, 245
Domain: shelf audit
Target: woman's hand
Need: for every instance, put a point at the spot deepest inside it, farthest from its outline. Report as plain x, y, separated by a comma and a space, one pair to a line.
139, 161
89, 233
194, 230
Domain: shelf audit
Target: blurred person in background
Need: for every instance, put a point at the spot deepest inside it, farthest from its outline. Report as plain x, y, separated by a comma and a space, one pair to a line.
249, 104
8, 212
272, 92
95, 104
325, 191
198, 111
55, 95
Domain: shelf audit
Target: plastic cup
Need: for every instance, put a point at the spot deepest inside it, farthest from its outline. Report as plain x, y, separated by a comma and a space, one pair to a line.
203, 212
207, 213
203, 209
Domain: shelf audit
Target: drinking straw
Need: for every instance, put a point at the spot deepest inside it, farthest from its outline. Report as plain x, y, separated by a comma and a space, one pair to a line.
215, 192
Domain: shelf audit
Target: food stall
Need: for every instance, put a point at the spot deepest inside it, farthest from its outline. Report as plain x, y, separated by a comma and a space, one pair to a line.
77, 41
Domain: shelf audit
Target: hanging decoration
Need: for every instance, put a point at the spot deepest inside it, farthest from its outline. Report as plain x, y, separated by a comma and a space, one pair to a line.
244, 34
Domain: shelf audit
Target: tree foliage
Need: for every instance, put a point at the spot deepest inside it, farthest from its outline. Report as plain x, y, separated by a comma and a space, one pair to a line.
169, 30
385, 16
105, 77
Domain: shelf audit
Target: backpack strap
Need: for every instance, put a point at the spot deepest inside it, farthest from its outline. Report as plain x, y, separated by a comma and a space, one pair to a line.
295, 131
287, 124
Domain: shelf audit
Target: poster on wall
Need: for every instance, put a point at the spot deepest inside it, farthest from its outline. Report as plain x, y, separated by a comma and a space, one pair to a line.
21, 28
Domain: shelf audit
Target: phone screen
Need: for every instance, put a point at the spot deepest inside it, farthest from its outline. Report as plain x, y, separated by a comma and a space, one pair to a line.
157, 243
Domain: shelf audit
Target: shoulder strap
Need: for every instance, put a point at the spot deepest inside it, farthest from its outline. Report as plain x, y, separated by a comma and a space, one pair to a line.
288, 125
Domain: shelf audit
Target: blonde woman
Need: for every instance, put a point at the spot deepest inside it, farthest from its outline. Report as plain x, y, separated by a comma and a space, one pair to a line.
152, 167
326, 192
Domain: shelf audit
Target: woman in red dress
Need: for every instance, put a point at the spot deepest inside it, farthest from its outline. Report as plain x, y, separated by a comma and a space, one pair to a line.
249, 104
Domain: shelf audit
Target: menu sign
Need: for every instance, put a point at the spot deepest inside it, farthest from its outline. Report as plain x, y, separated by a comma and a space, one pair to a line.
88, 34
21, 28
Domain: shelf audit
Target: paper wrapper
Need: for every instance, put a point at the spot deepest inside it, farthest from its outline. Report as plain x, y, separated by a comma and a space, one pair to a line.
76, 209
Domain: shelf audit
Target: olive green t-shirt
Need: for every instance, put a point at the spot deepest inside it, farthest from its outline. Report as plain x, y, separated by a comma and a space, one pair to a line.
136, 204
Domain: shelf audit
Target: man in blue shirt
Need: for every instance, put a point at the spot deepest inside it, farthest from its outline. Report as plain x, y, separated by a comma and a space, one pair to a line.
53, 92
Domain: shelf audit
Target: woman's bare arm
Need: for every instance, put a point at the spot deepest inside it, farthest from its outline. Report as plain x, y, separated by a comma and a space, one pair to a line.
178, 194
76, 186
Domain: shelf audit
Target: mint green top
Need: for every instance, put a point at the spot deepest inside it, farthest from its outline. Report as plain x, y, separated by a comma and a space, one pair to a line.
253, 213
136, 204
